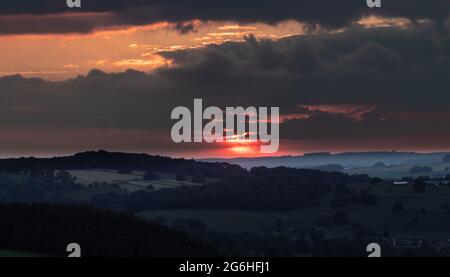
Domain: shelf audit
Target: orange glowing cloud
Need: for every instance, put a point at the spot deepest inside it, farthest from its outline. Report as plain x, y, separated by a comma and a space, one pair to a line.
377, 21
112, 49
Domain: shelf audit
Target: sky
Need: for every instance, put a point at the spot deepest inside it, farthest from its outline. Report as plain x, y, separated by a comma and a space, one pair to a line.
347, 78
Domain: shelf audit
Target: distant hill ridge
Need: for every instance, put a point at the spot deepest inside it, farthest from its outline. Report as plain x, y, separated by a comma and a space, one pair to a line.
116, 161
348, 159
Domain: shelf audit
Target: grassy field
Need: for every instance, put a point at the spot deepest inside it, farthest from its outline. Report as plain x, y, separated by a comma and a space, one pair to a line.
435, 223
400, 171
130, 182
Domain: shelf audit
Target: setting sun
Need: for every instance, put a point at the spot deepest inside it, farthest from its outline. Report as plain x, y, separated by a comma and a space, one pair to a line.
242, 150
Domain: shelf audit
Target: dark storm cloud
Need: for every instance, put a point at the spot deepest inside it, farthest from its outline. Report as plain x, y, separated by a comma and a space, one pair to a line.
362, 83
386, 66
185, 28
54, 24
325, 126
330, 13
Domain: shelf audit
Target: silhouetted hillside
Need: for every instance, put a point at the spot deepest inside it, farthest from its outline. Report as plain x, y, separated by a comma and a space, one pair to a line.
258, 189
234, 188
121, 161
48, 229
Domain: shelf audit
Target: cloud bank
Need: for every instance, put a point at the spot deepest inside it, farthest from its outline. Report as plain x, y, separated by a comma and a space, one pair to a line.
50, 16
366, 86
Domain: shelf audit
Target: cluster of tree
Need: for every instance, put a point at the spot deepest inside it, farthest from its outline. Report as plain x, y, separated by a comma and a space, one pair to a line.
48, 229
419, 185
151, 176
37, 186
343, 197
258, 189
331, 168
446, 159
421, 170
379, 165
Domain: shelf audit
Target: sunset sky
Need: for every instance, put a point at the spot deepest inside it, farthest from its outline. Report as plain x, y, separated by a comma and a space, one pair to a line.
107, 75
